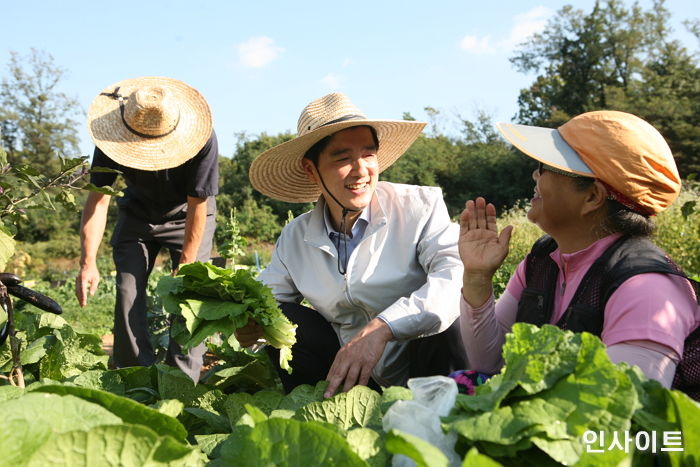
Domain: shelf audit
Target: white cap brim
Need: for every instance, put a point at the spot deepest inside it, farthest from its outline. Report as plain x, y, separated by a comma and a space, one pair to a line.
544, 145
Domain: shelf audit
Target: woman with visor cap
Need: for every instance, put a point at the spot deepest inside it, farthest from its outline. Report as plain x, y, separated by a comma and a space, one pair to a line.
601, 178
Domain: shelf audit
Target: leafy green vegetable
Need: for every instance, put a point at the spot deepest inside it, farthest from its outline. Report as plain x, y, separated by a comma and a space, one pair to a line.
393, 394
283, 442
358, 407
420, 451
57, 413
116, 445
209, 299
369, 445
126, 409
555, 386
32, 419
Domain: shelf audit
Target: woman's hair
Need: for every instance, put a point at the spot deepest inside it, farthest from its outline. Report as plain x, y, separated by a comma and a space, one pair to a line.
315, 151
619, 218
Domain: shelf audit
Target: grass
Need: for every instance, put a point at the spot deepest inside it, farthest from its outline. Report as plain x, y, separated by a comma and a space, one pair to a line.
96, 318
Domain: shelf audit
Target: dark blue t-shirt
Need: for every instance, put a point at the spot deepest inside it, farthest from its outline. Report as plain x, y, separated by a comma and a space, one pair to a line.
161, 195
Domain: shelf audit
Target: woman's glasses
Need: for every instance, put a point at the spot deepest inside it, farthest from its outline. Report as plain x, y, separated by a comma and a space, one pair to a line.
542, 167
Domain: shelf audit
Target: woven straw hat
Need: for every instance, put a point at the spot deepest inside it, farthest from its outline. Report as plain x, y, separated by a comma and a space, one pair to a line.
278, 172
149, 123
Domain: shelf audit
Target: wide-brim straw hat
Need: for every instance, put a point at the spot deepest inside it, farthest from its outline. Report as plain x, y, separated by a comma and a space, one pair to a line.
278, 172
618, 148
150, 123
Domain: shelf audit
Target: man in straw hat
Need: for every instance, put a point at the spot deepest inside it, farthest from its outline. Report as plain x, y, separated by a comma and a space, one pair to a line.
158, 133
376, 260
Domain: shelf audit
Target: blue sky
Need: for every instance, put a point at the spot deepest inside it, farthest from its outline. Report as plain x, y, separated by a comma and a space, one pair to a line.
259, 63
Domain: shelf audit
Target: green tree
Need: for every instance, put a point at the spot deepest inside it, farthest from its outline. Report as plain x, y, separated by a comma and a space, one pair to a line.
235, 188
24, 188
478, 164
36, 119
615, 57
38, 133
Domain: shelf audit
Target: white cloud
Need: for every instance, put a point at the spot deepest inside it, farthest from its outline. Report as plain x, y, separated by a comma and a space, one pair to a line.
257, 52
527, 24
524, 25
346, 63
477, 45
332, 81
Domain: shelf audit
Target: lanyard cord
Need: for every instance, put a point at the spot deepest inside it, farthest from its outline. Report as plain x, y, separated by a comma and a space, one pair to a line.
342, 269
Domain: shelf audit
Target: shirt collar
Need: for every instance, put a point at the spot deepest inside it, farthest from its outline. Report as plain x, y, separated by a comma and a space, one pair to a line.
362, 221
585, 257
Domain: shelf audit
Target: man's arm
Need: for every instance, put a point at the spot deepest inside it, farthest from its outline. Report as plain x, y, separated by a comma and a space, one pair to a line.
434, 306
92, 227
194, 229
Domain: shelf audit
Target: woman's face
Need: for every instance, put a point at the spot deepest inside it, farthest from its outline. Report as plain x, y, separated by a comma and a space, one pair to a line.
349, 168
556, 205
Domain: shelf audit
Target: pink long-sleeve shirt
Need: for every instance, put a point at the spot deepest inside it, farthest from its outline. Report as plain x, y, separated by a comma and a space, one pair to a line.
652, 312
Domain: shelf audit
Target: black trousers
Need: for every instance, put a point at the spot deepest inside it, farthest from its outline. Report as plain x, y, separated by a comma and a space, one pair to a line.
317, 344
135, 245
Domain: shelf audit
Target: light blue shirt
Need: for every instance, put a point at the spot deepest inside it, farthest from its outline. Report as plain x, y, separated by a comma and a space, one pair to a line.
355, 237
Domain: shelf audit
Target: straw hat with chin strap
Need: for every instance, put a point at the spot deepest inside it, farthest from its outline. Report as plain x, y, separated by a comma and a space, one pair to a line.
278, 172
150, 123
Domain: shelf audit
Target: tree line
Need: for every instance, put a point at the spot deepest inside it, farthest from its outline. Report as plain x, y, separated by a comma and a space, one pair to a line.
613, 57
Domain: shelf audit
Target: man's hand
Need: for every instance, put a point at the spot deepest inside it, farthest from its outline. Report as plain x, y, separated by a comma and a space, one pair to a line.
87, 281
92, 227
249, 334
355, 361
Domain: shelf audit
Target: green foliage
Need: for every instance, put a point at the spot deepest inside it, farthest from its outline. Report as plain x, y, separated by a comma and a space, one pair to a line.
50, 348
242, 369
555, 386
287, 442
418, 450
231, 242
359, 407
96, 318
24, 188
480, 164
127, 410
678, 230
36, 119
235, 185
258, 221
210, 300
46, 429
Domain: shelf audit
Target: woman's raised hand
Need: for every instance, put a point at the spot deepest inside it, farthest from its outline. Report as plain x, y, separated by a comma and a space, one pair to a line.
481, 248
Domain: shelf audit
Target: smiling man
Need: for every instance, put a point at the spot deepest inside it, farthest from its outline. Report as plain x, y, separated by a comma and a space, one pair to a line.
377, 261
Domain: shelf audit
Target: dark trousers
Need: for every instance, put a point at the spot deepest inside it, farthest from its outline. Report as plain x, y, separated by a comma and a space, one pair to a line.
135, 245
317, 344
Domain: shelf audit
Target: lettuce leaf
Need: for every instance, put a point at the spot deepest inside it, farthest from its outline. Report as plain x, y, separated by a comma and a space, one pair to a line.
209, 300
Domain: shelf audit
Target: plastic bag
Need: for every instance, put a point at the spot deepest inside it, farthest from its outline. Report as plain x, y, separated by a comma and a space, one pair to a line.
433, 397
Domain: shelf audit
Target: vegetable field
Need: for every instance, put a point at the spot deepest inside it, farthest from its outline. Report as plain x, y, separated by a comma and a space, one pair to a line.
556, 387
